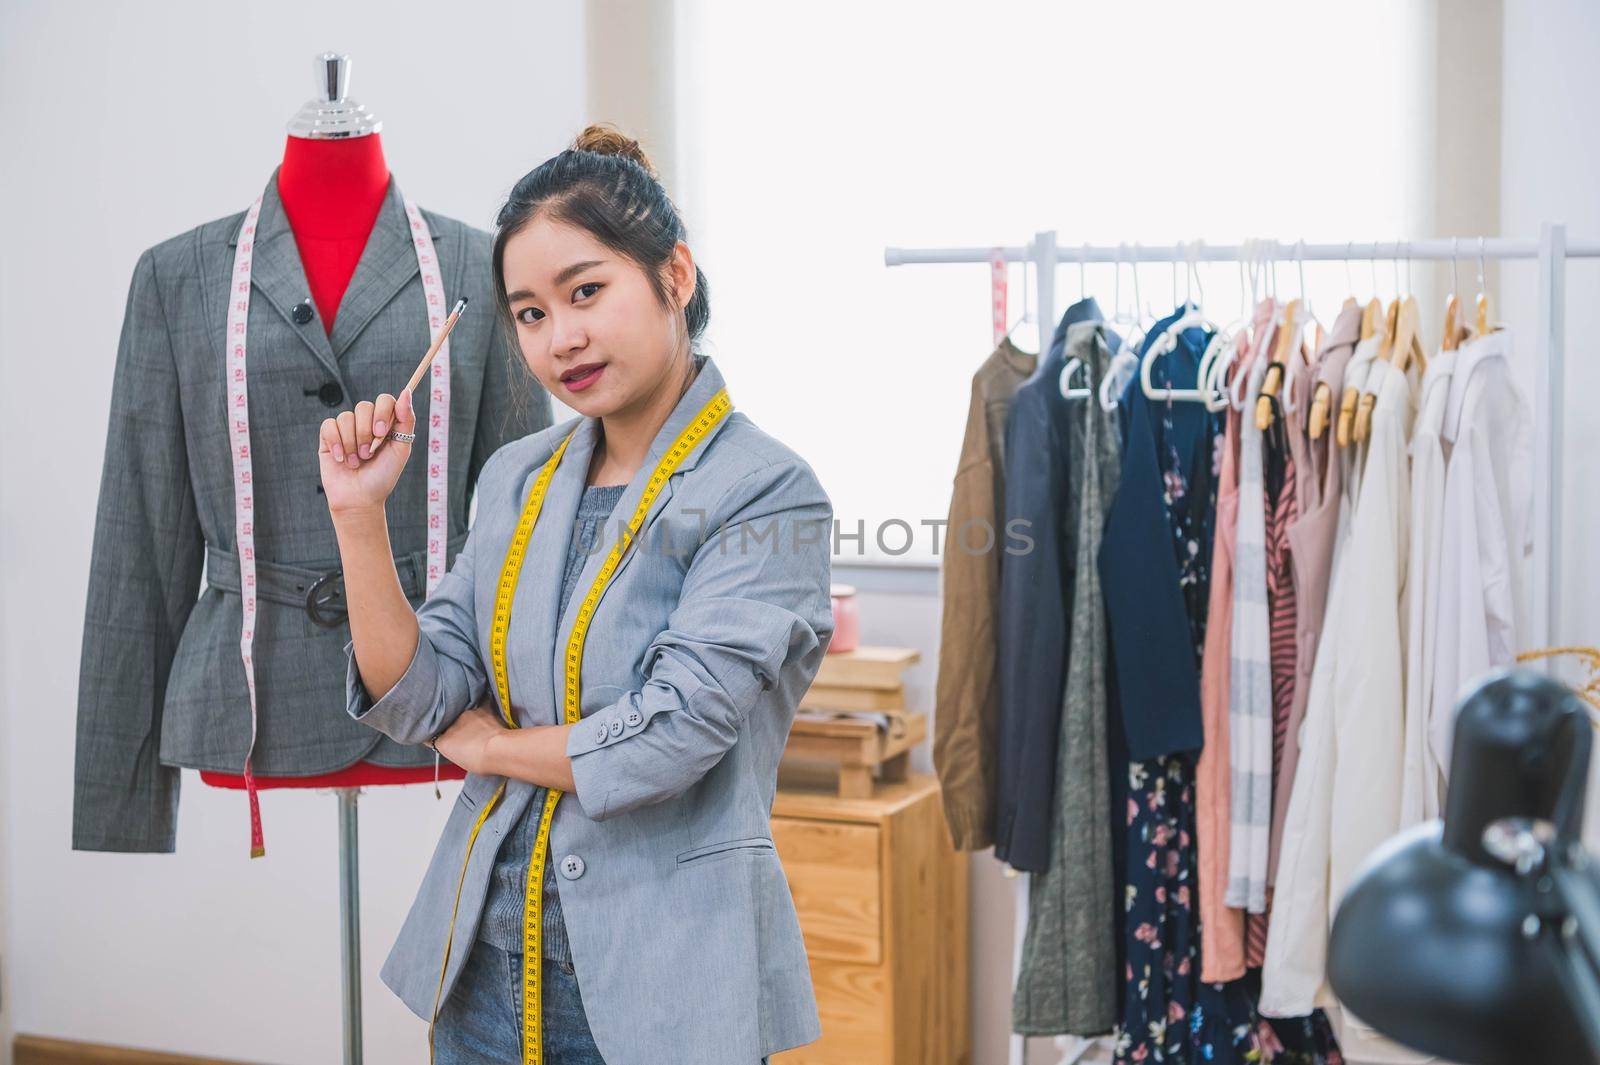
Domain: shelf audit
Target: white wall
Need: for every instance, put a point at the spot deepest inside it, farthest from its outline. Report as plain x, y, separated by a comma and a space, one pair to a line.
125, 124
1550, 171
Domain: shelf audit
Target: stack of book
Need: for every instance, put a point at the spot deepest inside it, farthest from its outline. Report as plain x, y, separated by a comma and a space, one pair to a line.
854, 717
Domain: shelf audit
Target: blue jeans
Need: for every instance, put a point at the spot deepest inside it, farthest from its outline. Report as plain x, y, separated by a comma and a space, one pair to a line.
481, 1022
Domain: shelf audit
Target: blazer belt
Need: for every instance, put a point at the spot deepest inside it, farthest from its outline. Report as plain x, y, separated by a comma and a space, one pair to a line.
319, 592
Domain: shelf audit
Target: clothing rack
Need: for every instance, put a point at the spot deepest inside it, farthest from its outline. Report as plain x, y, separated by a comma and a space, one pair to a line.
1551, 250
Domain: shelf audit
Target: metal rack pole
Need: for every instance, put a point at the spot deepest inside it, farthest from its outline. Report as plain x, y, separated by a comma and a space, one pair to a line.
1553, 253
1432, 249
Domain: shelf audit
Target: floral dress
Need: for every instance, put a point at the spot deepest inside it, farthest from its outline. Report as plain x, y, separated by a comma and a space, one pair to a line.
1172, 462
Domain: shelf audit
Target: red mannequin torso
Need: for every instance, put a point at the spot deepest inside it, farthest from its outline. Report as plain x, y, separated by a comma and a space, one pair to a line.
332, 191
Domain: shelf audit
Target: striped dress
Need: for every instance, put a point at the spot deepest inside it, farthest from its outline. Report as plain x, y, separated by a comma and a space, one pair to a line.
1282, 509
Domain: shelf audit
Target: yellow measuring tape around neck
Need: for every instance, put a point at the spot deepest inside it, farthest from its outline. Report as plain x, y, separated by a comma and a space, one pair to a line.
533, 921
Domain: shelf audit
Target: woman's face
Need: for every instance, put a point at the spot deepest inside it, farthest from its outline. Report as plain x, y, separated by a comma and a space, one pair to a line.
587, 320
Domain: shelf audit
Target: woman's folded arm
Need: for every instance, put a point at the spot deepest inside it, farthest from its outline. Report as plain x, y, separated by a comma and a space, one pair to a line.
755, 597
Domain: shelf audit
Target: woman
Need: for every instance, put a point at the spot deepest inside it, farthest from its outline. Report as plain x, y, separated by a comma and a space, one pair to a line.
650, 680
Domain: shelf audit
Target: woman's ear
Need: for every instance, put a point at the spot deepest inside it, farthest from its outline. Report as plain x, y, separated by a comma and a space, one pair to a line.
681, 266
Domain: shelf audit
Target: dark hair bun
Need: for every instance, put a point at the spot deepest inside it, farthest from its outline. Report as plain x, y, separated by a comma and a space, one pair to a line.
604, 139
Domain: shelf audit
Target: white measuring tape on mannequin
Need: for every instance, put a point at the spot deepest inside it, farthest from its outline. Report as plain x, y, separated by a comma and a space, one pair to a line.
437, 454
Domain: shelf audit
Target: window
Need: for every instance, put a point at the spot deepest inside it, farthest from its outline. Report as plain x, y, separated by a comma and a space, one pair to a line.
813, 137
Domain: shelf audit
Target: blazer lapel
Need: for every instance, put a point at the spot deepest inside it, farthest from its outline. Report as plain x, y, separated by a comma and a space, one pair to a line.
386, 264
574, 476
277, 274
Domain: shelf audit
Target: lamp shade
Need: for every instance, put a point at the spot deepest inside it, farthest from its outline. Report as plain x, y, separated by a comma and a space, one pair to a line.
1439, 943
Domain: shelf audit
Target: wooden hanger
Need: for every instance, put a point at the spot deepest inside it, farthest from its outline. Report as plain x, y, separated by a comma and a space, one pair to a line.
1322, 398
1319, 410
1371, 316
1386, 346
1406, 329
1371, 322
1273, 381
1482, 317
1452, 323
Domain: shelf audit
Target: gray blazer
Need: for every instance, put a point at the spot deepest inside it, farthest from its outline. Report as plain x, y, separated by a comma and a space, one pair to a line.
161, 683
682, 927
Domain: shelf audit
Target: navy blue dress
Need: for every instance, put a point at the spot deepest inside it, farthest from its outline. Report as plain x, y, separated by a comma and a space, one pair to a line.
1155, 562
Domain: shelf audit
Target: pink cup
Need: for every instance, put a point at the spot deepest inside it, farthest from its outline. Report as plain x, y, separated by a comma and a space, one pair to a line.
846, 620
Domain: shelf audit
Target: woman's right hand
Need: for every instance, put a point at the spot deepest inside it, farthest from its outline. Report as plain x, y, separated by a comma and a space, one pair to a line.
353, 477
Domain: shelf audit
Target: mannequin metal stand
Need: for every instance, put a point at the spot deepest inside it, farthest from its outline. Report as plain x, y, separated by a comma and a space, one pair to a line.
350, 922
332, 182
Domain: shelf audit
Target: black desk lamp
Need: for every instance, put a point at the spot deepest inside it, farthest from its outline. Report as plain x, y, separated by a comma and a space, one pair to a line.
1478, 938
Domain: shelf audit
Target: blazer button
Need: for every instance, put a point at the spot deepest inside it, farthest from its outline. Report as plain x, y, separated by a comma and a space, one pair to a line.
616, 726
331, 394
572, 867
601, 733
302, 312
633, 718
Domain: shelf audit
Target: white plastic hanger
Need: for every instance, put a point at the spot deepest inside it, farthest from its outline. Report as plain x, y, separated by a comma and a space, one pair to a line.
1168, 342
1264, 271
1029, 339
1126, 361
1220, 353
1222, 343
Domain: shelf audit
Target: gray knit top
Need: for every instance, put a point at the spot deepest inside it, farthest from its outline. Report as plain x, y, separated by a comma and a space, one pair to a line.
506, 906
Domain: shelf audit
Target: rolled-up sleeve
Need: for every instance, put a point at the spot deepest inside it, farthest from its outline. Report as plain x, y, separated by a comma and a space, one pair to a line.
755, 602
446, 675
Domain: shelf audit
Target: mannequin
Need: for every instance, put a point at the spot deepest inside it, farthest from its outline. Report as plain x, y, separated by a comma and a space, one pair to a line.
332, 190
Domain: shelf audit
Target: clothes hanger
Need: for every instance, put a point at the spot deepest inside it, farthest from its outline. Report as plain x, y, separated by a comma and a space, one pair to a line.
1029, 322
1239, 386
1386, 349
1125, 362
1309, 312
1229, 377
1372, 313
1482, 319
1288, 340
1167, 342
1075, 365
1371, 323
1406, 344
1220, 352
1288, 328
1219, 349
1449, 340
1322, 398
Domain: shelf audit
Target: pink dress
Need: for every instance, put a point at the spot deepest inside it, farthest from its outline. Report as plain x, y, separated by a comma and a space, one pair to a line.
1222, 936
1311, 538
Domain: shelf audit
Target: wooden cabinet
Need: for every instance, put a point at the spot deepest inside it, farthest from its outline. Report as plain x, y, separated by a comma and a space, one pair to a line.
882, 900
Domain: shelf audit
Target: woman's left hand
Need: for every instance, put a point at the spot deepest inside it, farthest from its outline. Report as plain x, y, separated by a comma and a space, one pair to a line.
467, 741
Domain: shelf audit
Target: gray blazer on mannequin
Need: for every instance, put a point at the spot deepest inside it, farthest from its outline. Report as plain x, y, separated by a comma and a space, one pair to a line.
682, 927
161, 682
